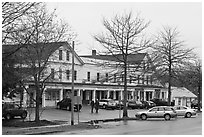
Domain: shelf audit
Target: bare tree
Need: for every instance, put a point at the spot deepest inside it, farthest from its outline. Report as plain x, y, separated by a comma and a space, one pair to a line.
12, 12
39, 38
169, 55
123, 37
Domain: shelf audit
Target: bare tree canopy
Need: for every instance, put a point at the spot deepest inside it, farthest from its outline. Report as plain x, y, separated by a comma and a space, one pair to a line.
12, 12
123, 37
169, 55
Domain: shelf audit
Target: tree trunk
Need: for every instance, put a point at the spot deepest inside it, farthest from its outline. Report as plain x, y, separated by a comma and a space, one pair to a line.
37, 107
125, 113
199, 93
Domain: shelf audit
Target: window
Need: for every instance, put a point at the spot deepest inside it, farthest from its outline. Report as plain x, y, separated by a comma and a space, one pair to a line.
147, 79
130, 79
138, 78
68, 74
151, 80
88, 76
143, 79
98, 77
60, 74
52, 74
114, 78
60, 54
75, 75
68, 56
122, 78
106, 77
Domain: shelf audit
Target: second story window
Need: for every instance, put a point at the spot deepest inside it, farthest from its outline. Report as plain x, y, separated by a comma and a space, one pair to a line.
88, 76
75, 75
130, 79
52, 74
68, 74
60, 74
98, 77
68, 56
147, 79
114, 78
138, 78
106, 77
60, 54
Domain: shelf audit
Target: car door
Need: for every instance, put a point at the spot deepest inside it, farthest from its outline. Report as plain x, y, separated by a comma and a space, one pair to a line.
152, 113
182, 111
160, 112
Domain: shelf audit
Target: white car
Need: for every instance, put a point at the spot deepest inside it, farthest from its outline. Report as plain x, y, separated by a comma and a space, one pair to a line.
165, 112
107, 103
185, 111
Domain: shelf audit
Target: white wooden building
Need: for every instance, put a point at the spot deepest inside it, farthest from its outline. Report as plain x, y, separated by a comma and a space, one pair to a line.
92, 79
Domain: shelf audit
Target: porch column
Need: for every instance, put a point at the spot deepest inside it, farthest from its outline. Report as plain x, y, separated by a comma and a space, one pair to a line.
25, 97
43, 98
61, 94
121, 94
144, 95
94, 95
114, 94
138, 94
78, 92
108, 93
132, 95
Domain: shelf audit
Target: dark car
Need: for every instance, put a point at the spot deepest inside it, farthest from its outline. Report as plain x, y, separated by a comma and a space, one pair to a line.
66, 104
159, 102
148, 104
135, 104
11, 110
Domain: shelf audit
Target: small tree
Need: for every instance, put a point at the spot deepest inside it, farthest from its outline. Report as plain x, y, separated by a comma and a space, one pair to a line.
123, 37
169, 55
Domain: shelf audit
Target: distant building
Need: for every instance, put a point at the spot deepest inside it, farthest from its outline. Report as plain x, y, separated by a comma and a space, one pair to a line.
93, 77
181, 96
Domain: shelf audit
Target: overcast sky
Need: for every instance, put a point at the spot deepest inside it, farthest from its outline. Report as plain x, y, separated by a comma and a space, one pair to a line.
86, 19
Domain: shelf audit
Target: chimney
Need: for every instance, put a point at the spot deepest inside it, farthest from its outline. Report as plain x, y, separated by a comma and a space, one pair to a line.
93, 52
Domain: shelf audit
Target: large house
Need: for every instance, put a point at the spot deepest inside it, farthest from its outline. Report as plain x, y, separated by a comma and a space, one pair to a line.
95, 76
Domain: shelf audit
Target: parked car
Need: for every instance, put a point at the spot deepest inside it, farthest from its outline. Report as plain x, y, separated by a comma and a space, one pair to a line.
119, 104
148, 104
185, 111
135, 104
107, 104
11, 110
159, 102
66, 104
165, 112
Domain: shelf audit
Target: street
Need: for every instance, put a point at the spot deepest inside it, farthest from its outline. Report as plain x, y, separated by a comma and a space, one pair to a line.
179, 126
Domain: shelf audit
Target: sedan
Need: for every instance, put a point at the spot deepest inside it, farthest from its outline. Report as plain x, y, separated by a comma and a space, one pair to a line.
165, 112
107, 103
135, 104
185, 111
148, 104
66, 104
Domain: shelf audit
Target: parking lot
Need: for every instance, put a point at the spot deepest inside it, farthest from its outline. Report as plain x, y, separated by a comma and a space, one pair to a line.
85, 114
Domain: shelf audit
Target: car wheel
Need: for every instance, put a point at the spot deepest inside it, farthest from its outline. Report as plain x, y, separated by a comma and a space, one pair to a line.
188, 115
143, 117
167, 117
24, 115
8, 116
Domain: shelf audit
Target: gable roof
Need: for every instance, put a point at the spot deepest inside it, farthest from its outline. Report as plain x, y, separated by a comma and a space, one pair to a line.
132, 58
181, 92
46, 49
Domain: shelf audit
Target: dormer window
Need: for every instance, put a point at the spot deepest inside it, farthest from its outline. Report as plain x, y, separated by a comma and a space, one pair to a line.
60, 54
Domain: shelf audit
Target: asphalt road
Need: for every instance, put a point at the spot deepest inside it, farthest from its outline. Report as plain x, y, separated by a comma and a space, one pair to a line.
179, 126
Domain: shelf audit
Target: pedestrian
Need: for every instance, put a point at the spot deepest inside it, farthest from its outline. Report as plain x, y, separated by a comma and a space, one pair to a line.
97, 105
92, 106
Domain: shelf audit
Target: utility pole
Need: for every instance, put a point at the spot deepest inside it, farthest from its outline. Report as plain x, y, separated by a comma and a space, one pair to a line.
72, 94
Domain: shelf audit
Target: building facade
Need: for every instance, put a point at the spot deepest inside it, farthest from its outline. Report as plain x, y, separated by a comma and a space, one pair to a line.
95, 77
